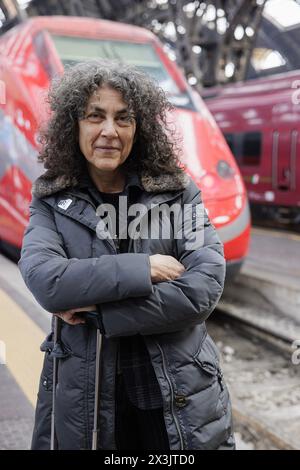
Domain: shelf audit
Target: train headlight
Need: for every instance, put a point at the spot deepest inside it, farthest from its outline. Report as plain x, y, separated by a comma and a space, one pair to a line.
224, 170
209, 181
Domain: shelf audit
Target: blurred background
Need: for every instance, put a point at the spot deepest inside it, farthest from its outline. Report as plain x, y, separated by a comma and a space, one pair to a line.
231, 68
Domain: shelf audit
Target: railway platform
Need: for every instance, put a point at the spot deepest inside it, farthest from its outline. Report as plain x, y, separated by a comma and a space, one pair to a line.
23, 326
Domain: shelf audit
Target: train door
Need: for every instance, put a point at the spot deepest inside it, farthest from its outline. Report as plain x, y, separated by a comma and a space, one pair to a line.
249, 149
284, 150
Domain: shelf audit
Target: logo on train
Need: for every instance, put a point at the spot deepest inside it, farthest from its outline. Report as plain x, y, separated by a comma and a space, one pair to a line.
296, 93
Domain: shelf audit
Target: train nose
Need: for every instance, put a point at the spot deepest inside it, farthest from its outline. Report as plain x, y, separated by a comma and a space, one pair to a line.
220, 186
225, 198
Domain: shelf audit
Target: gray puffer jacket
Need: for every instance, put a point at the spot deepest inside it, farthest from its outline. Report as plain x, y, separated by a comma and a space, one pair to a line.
65, 264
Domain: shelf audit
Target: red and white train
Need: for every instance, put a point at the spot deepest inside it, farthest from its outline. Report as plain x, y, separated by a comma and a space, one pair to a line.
32, 53
260, 120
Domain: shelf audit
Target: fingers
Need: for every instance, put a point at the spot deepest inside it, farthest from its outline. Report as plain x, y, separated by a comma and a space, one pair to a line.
176, 268
70, 317
165, 268
73, 316
177, 263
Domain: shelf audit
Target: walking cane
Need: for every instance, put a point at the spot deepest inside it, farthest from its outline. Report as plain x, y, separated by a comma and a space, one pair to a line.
93, 317
57, 352
57, 327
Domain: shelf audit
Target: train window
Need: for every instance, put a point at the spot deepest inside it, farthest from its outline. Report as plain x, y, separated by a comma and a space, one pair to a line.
78, 49
265, 59
43, 53
230, 142
245, 146
251, 148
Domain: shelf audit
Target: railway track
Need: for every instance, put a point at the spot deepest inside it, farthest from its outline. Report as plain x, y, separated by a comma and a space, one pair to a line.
262, 379
278, 339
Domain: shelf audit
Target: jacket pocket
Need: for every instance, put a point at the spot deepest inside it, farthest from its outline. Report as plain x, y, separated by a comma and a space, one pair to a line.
48, 343
208, 370
208, 363
208, 360
215, 376
46, 383
46, 378
59, 350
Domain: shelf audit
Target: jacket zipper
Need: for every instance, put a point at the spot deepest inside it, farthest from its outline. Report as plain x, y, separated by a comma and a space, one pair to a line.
172, 397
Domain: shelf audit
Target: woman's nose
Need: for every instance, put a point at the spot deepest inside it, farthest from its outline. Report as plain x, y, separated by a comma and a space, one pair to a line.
108, 128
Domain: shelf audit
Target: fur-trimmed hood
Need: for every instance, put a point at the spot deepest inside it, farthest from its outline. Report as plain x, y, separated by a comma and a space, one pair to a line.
46, 185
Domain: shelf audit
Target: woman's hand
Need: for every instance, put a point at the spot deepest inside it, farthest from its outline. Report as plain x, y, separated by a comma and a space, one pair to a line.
73, 316
165, 268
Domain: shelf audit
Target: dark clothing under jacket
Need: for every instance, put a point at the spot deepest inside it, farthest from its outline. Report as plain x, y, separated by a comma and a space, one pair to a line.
134, 361
66, 264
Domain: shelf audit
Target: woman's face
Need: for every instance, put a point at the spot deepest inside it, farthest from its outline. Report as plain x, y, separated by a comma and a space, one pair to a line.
106, 133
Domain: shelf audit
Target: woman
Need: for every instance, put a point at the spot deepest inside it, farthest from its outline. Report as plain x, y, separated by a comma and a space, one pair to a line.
161, 384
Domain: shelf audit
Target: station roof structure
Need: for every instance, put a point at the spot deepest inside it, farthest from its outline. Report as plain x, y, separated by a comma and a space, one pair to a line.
213, 41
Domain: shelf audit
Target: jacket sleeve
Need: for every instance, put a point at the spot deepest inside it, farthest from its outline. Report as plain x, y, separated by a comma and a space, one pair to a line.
59, 283
183, 302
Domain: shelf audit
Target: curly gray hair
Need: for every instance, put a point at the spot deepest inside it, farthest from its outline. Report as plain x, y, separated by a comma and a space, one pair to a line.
155, 150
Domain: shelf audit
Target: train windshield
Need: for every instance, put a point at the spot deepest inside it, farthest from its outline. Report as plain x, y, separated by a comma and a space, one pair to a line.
74, 49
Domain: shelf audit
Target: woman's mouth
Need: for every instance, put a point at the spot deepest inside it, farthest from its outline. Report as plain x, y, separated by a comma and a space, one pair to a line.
106, 148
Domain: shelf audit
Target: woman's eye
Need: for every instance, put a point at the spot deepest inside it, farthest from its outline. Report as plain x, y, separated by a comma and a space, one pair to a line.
93, 117
127, 119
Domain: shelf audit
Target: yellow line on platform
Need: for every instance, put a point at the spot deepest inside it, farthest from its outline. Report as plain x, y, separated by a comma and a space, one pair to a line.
22, 338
